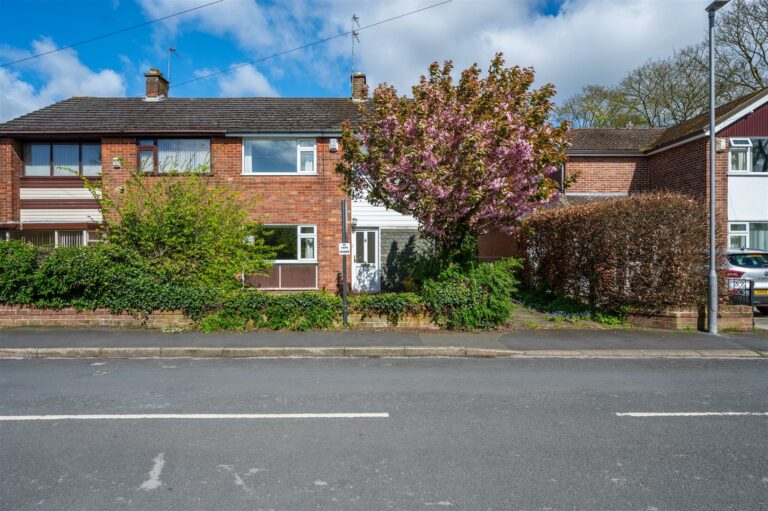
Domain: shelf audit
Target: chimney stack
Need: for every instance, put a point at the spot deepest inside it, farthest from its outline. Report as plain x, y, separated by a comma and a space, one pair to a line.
359, 88
157, 85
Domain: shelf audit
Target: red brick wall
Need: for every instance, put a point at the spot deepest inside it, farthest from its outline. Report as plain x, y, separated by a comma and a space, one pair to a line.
17, 315
278, 199
685, 169
10, 172
601, 174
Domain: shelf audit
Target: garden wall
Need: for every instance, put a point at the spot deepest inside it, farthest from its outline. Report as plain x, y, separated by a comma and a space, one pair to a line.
732, 317
17, 315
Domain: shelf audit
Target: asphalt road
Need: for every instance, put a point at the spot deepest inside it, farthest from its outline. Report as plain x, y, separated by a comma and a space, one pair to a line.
460, 434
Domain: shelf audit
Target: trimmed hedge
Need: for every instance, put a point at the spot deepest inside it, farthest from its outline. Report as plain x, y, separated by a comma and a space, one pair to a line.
393, 306
646, 251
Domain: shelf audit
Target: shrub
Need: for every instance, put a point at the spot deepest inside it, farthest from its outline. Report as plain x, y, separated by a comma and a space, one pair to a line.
390, 305
107, 276
479, 296
193, 230
645, 251
90, 274
299, 311
17, 266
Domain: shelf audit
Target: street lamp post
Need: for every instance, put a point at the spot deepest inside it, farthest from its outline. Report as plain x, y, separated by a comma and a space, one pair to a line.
712, 313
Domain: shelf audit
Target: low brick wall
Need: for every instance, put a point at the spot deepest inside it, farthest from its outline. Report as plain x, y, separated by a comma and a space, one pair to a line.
407, 321
730, 317
15, 316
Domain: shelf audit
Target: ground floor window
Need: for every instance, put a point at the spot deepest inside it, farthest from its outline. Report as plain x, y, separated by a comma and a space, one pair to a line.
748, 235
52, 238
294, 242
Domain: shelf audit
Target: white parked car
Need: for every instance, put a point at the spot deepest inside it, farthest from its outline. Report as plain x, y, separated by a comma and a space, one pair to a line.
751, 265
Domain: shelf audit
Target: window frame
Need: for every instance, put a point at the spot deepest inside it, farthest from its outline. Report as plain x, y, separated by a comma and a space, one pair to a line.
155, 170
299, 150
299, 237
745, 234
740, 233
743, 144
85, 236
51, 169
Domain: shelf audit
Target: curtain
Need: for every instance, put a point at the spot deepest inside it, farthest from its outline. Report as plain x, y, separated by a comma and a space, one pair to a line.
183, 155
91, 159
758, 235
66, 159
37, 160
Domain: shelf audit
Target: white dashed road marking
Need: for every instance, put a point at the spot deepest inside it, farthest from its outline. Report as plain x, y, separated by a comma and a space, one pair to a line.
692, 414
138, 416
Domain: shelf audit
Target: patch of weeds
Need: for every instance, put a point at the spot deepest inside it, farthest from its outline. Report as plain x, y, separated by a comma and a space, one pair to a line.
562, 309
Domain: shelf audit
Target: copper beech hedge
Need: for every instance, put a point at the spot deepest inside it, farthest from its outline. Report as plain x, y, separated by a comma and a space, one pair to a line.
644, 251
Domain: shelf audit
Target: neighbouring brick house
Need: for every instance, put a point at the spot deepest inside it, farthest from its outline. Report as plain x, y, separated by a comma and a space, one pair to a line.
283, 152
615, 162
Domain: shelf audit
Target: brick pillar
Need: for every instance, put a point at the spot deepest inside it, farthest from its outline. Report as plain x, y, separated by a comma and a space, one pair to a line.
10, 174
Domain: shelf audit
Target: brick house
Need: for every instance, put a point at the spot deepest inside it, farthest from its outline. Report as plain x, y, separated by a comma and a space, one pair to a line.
283, 151
615, 162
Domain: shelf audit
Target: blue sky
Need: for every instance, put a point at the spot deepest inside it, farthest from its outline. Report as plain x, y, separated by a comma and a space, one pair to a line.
570, 42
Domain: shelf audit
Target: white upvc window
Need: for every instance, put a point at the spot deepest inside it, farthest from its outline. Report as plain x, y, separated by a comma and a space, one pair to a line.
297, 243
737, 235
281, 156
748, 155
748, 235
740, 156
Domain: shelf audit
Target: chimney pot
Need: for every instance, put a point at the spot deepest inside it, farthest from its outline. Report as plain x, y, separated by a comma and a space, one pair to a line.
157, 84
359, 87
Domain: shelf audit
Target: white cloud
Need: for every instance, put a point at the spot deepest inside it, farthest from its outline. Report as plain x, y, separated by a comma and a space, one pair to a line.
62, 75
245, 81
245, 20
587, 41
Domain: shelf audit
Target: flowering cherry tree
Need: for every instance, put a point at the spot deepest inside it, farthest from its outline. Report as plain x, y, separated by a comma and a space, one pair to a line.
462, 158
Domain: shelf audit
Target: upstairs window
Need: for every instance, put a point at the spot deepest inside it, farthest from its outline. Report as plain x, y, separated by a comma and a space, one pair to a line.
748, 155
164, 155
279, 156
62, 159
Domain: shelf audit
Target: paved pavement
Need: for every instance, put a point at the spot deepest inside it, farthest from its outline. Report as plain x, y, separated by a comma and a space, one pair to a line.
761, 321
460, 434
555, 339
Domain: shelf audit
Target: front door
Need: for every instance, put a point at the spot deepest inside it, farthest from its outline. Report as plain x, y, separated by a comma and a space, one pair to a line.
365, 261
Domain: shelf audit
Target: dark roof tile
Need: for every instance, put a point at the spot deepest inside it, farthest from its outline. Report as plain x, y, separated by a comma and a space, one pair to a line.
135, 115
613, 140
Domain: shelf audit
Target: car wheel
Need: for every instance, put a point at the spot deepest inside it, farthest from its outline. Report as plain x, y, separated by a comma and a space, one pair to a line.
763, 310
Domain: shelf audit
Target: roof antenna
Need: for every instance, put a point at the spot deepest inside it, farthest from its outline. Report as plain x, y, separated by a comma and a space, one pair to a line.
355, 37
176, 54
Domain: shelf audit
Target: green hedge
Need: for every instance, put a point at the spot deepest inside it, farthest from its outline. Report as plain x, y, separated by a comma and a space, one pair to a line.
106, 276
299, 311
17, 270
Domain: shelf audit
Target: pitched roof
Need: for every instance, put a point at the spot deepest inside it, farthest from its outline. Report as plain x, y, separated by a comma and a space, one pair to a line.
210, 115
700, 124
613, 140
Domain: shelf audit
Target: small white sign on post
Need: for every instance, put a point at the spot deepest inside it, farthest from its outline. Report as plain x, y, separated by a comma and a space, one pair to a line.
345, 248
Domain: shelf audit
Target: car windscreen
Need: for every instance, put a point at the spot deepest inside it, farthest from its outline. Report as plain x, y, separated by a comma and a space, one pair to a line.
749, 260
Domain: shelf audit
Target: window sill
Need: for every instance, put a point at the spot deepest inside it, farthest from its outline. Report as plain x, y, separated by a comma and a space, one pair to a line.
749, 174
297, 174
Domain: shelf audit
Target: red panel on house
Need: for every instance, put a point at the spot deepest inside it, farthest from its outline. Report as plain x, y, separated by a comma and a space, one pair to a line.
751, 125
